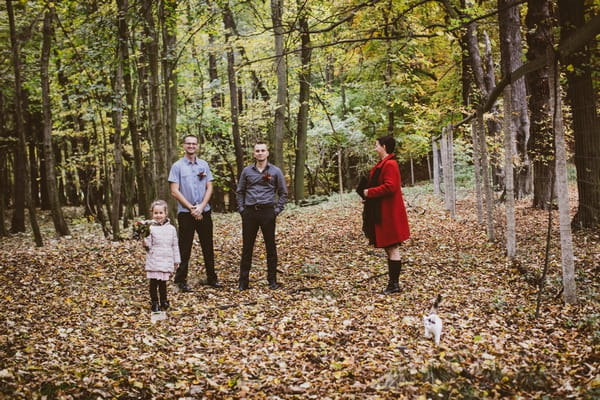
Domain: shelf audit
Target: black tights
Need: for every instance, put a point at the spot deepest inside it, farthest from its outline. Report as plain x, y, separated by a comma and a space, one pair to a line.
162, 290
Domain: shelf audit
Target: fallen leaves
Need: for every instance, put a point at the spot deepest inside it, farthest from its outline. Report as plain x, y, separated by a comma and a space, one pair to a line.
76, 319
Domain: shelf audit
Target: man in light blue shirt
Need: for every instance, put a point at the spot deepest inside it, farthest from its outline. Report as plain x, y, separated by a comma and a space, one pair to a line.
191, 185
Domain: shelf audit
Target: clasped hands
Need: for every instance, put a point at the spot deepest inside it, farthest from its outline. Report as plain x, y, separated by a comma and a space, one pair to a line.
196, 212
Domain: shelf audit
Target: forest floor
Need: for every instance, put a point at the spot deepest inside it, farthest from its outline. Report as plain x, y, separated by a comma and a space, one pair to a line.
75, 319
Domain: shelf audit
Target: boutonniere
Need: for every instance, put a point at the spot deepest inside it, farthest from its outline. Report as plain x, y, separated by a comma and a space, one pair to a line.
201, 174
141, 229
266, 177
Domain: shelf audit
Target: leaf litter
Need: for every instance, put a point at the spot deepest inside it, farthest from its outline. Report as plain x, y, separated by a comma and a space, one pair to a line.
76, 320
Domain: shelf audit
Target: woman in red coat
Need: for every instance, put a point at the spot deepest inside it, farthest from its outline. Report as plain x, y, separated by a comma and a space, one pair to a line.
385, 214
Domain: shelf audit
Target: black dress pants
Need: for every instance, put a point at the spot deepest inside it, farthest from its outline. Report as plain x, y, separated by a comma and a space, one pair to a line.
253, 219
188, 226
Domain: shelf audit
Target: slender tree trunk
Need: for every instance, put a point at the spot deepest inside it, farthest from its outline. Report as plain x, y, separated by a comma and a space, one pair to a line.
511, 235
436, 168
448, 168
487, 187
233, 95
303, 109
451, 183
281, 72
168, 18
132, 121
541, 137
562, 185
216, 100
339, 165
3, 170
494, 128
586, 127
57, 215
511, 53
477, 171
117, 117
412, 171
170, 78
22, 146
156, 127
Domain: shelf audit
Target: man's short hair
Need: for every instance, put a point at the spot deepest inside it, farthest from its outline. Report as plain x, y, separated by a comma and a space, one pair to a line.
189, 135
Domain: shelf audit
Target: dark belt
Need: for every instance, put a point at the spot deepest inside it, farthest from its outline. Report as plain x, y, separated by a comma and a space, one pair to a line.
259, 206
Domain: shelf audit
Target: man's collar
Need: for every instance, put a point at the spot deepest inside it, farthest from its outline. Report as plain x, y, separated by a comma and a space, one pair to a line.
256, 168
187, 160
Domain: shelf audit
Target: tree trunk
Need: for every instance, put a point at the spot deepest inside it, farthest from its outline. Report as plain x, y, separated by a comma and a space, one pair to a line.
22, 146
586, 127
57, 215
511, 53
168, 19
511, 235
233, 95
4, 181
450, 182
216, 100
156, 127
303, 109
477, 171
339, 165
117, 117
168, 14
281, 72
562, 185
494, 128
132, 121
541, 137
412, 171
485, 175
436, 168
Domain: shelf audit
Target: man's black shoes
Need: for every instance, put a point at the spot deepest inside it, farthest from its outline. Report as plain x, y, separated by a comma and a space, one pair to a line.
214, 283
183, 287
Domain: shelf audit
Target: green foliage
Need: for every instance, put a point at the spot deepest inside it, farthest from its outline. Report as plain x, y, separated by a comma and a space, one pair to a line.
390, 58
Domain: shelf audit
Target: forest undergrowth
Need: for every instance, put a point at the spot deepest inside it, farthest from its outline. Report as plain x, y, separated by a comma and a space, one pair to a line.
75, 320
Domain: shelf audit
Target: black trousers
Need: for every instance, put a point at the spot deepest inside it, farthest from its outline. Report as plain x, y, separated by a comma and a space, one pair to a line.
188, 226
252, 220
158, 287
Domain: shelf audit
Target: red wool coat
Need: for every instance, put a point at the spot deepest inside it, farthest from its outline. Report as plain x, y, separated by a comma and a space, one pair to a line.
394, 221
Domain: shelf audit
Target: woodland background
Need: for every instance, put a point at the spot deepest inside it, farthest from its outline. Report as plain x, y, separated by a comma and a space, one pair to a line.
96, 96
495, 97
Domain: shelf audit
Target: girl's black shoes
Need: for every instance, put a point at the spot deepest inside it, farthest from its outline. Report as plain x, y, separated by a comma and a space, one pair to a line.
164, 305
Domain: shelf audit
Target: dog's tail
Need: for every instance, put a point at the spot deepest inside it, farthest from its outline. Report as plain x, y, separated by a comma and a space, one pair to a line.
436, 304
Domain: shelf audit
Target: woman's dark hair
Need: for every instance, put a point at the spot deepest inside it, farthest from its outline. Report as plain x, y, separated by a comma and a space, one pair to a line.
388, 142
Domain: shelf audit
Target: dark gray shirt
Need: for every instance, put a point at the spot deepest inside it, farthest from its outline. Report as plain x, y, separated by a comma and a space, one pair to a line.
262, 188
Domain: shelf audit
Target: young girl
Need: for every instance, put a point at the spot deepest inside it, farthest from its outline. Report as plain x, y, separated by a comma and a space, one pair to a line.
162, 257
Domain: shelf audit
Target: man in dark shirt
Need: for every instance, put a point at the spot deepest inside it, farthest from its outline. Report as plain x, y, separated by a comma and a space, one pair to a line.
261, 196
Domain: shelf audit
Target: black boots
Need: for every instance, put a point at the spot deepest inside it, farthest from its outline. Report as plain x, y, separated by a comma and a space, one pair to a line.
393, 286
164, 306
273, 285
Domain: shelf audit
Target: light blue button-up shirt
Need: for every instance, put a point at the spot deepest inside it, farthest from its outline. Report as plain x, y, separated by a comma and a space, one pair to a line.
192, 178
